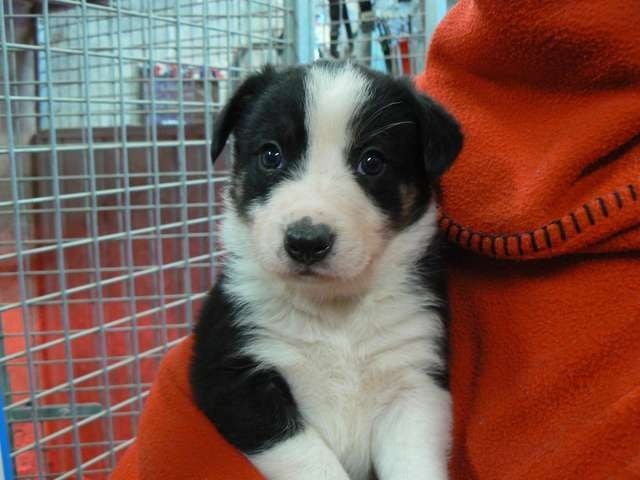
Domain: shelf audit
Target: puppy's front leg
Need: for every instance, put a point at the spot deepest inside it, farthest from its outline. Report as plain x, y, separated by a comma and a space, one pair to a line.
411, 439
304, 456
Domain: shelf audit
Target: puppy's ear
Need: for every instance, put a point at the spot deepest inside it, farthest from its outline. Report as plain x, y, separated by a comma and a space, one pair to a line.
441, 136
228, 118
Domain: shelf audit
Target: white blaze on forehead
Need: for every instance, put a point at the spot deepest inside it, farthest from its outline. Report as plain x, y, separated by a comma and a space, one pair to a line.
334, 96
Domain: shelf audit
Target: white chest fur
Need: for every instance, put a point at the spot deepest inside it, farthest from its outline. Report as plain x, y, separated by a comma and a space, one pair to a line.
347, 363
357, 370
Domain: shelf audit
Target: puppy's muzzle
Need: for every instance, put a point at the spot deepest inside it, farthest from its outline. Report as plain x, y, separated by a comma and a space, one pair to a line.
308, 243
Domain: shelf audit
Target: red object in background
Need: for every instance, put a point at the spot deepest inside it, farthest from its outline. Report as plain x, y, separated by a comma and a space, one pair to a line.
404, 46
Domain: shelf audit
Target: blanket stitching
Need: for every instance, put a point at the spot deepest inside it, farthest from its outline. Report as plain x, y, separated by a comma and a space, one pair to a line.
445, 223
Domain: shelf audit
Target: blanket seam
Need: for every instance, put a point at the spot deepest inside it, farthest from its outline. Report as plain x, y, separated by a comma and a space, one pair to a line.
540, 239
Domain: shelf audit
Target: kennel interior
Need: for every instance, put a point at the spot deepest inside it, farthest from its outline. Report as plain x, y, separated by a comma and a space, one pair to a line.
109, 204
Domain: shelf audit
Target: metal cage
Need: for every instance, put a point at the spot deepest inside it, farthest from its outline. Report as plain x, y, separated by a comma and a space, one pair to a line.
109, 204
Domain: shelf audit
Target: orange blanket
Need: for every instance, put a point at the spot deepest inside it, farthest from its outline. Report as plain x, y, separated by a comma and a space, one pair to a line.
175, 440
546, 352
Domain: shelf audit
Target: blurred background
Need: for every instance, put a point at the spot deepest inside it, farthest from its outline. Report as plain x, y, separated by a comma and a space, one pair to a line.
109, 205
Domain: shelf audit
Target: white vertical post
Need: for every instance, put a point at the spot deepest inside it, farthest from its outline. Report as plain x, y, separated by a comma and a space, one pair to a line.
435, 10
303, 30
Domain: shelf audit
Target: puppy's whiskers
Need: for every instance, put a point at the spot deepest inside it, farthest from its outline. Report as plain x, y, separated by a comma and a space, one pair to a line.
383, 130
369, 120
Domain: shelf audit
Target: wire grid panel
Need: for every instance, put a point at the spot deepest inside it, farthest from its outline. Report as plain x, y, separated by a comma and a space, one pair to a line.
109, 206
387, 35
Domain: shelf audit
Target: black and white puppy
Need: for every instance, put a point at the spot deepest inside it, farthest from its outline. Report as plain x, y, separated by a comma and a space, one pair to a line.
319, 352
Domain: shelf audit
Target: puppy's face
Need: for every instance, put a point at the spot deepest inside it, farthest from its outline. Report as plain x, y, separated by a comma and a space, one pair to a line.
331, 162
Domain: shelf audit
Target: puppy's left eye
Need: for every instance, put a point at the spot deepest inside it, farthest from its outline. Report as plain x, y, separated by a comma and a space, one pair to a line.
270, 156
372, 163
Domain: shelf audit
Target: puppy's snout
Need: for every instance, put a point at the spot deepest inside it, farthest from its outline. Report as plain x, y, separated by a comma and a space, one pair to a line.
308, 243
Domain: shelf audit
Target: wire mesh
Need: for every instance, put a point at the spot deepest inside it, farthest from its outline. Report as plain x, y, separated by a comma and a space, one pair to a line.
109, 205
388, 35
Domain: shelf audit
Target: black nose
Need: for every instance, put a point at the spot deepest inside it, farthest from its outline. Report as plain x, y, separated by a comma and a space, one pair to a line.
308, 243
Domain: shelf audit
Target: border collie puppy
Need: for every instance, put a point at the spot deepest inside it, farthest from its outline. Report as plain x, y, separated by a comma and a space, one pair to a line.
320, 351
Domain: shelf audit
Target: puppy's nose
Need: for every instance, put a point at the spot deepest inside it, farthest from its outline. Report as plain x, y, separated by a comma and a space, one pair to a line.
308, 243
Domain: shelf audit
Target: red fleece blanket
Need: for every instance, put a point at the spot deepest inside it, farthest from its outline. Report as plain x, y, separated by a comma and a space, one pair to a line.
545, 352
175, 440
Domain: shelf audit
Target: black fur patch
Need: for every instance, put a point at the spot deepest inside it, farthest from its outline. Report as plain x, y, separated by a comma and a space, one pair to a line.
433, 272
418, 139
252, 408
271, 109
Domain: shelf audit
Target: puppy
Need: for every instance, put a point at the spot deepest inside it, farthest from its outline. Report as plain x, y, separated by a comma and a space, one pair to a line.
320, 351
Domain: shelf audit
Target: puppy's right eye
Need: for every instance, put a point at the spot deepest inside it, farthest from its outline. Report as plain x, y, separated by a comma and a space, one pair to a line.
371, 164
270, 156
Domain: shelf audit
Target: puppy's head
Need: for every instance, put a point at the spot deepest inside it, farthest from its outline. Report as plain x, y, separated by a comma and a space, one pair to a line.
331, 163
